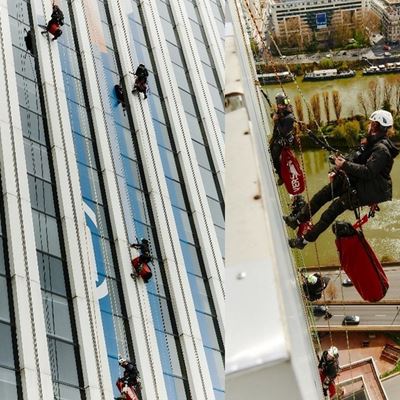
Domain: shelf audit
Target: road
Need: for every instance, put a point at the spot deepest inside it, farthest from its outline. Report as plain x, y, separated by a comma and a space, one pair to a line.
350, 294
370, 315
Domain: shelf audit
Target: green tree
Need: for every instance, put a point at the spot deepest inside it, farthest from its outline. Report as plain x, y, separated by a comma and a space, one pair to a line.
326, 63
339, 131
352, 132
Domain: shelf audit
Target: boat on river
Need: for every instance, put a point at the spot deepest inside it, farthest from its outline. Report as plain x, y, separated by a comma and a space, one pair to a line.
275, 77
382, 69
326, 74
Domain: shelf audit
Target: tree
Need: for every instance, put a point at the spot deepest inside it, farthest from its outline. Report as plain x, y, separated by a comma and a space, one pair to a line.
325, 98
337, 104
292, 29
374, 94
254, 48
387, 95
326, 63
331, 291
316, 108
396, 89
362, 102
352, 132
299, 108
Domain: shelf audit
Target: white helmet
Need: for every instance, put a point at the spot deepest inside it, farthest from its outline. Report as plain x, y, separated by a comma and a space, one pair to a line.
121, 360
333, 351
383, 117
312, 279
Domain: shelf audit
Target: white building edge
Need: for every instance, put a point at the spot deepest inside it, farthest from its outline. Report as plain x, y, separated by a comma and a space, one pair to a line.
269, 351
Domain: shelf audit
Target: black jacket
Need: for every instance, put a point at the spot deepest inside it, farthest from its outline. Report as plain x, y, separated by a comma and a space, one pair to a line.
141, 72
329, 367
370, 173
131, 374
283, 127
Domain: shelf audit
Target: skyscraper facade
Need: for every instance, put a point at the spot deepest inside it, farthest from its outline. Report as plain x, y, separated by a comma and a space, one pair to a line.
83, 177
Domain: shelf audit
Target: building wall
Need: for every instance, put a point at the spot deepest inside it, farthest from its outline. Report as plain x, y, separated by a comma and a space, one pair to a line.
299, 17
389, 13
88, 179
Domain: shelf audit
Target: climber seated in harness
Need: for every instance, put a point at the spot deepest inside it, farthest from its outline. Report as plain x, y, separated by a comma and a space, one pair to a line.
329, 367
283, 134
130, 379
363, 181
57, 20
141, 80
313, 285
141, 263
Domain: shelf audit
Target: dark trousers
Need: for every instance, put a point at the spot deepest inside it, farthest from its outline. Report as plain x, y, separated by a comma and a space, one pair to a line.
344, 200
276, 150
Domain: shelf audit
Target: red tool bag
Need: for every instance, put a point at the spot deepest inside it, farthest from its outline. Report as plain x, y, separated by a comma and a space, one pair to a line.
142, 269
360, 262
332, 388
291, 172
53, 28
129, 391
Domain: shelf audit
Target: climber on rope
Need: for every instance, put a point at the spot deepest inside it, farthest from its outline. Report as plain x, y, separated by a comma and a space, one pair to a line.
328, 369
57, 20
363, 181
29, 41
141, 264
141, 80
129, 384
119, 93
313, 286
283, 133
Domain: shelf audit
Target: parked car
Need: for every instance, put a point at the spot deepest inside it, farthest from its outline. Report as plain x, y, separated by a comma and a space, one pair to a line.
319, 311
347, 282
351, 320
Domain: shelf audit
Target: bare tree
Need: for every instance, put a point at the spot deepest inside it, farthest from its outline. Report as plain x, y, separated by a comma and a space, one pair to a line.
299, 108
387, 94
396, 89
331, 291
316, 108
292, 30
337, 104
325, 97
374, 94
362, 102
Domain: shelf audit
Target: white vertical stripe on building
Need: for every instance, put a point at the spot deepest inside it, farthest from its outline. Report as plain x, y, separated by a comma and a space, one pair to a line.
213, 37
29, 317
137, 304
86, 309
200, 87
185, 314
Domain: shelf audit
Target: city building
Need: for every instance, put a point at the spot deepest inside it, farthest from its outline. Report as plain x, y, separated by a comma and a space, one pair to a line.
301, 21
388, 12
82, 178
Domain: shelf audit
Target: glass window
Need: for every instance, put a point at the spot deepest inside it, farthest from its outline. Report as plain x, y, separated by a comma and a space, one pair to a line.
216, 212
168, 353
194, 127
64, 355
183, 225
175, 53
32, 125
175, 387
162, 134
188, 102
132, 173
175, 193
181, 77
200, 298
216, 367
41, 194
8, 384
4, 306
37, 161
78, 119
2, 262
57, 316
51, 273
201, 154
207, 328
160, 312
67, 393
138, 204
28, 94
168, 161
190, 256
208, 182
6, 353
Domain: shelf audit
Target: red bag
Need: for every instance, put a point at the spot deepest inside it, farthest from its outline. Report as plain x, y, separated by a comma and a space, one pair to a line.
129, 391
360, 262
332, 387
142, 269
54, 27
291, 172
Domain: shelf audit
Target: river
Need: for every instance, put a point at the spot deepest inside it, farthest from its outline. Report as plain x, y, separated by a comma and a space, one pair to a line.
349, 88
382, 231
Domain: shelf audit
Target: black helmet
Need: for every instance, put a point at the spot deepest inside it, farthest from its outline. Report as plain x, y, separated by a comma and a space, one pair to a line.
281, 98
